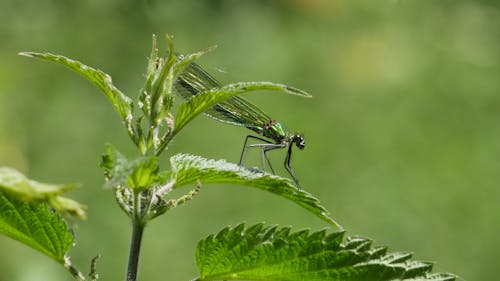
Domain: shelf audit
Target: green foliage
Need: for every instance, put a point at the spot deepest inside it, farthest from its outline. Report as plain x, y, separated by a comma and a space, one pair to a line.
187, 169
138, 174
30, 212
103, 81
270, 253
156, 98
35, 225
14, 183
143, 173
17, 184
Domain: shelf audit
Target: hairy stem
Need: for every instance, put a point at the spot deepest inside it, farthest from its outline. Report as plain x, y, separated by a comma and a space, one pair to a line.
135, 242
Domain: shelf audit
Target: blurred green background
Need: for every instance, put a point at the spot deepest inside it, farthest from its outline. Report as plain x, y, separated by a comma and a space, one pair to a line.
403, 137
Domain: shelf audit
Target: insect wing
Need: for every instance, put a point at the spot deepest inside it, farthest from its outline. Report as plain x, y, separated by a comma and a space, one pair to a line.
235, 110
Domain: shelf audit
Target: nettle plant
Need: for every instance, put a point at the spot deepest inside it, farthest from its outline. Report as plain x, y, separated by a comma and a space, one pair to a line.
37, 214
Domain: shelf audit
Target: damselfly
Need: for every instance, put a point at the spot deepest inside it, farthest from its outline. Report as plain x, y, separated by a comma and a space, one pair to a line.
240, 112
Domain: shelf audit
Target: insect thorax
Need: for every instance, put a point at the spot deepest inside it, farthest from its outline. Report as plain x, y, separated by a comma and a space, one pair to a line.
275, 131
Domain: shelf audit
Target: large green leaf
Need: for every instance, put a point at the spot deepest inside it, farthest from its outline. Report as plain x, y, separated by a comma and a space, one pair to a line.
188, 169
102, 80
203, 101
36, 225
270, 253
14, 183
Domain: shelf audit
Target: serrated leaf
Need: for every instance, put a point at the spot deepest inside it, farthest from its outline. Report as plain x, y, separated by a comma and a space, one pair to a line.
17, 185
187, 169
103, 81
35, 225
269, 253
205, 100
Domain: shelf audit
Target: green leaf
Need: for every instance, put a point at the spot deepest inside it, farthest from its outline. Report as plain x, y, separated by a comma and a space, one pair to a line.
270, 253
140, 173
187, 169
35, 225
205, 100
102, 80
17, 185
159, 89
153, 61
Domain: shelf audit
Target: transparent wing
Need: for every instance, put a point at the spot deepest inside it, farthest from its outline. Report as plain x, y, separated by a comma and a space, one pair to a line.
236, 110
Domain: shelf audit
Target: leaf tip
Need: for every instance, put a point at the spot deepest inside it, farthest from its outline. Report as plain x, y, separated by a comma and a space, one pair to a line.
26, 54
298, 92
326, 216
211, 48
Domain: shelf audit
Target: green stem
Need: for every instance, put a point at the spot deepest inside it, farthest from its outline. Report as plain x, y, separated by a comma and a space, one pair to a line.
135, 242
135, 249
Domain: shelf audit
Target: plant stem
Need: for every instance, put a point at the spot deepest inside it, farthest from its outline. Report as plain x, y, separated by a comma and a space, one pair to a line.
135, 242
135, 249
77, 274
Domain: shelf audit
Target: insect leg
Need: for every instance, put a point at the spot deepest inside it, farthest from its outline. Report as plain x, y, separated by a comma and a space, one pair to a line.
289, 168
245, 146
265, 149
